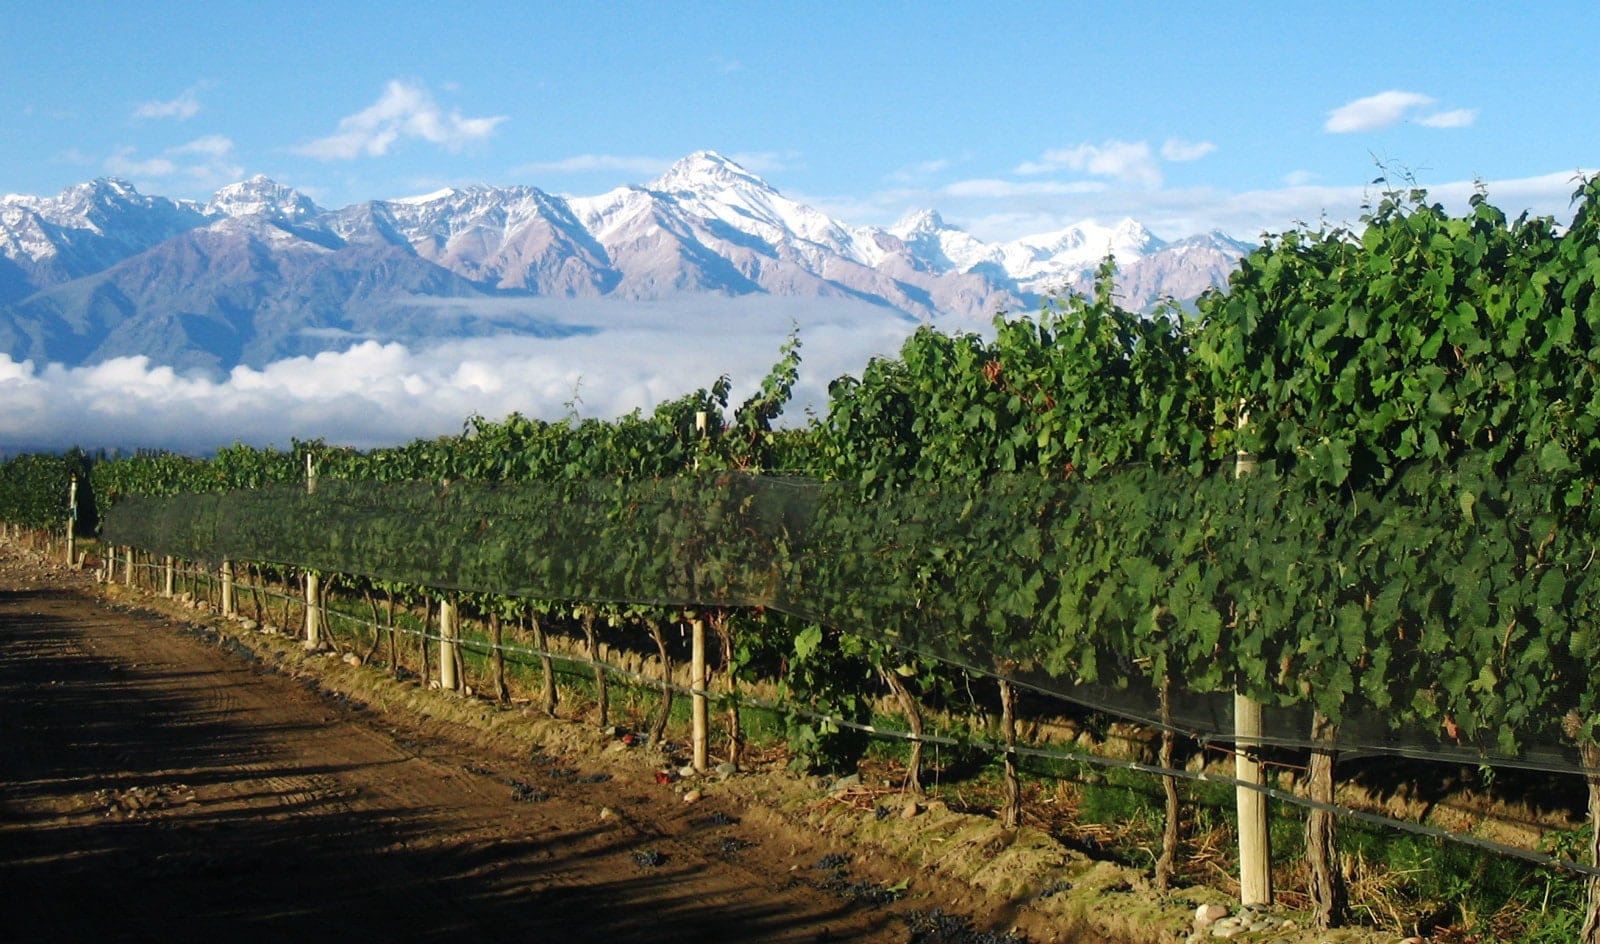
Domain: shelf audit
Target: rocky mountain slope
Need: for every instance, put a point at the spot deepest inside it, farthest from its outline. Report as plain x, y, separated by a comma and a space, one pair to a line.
261, 272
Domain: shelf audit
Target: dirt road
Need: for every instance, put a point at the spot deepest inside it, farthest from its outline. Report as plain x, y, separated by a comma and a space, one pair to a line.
155, 786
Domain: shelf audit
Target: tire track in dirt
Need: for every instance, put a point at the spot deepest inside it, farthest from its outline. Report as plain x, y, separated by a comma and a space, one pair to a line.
156, 788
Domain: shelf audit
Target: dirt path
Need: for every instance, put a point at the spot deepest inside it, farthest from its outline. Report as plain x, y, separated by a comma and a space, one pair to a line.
156, 787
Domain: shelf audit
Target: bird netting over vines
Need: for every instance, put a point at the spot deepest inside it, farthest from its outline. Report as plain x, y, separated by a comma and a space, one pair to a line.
1453, 616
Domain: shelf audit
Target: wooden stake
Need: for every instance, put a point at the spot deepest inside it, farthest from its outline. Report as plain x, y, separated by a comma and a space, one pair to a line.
227, 588
1255, 851
72, 520
1255, 854
449, 679
697, 699
313, 615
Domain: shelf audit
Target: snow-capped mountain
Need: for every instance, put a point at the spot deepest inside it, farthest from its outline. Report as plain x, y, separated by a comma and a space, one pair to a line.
46, 241
1148, 269
260, 271
261, 196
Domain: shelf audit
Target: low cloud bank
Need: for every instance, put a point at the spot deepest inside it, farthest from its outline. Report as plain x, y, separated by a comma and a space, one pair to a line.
377, 394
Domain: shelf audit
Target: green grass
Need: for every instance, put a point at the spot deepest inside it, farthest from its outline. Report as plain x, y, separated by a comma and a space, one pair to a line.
1505, 898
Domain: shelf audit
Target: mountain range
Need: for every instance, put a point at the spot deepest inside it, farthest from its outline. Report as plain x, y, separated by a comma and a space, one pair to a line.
260, 272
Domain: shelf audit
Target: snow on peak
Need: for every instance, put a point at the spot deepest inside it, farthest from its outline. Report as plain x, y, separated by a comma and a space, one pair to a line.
1132, 233
1090, 242
262, 195
716, 189
706, 171
95, 204
81, 200
103, 187
918, 222
942, 246
441, 194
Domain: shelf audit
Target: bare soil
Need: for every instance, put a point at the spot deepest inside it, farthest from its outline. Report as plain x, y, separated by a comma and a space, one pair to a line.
159, 786
168, 777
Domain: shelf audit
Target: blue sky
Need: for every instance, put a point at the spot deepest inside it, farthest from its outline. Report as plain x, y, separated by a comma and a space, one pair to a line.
1009, 118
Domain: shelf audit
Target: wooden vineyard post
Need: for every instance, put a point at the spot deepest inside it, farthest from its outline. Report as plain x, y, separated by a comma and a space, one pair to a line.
697, 697
127, 566
313, 580
1255, 850
227, 588
700, 737
449, 678
167, 574
72, 521
313, 614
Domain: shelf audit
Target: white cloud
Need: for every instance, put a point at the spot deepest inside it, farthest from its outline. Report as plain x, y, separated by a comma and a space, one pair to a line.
1179, 151
1127, 161
184, 107
205, 162
636, 354
405, 110
998, 210
1375, 112
375, 394
1385, 109
212, 145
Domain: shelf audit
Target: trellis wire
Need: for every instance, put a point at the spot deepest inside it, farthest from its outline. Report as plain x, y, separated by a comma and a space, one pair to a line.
741, 700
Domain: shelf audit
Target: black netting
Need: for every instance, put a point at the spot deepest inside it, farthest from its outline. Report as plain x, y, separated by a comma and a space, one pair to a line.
1449, 617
